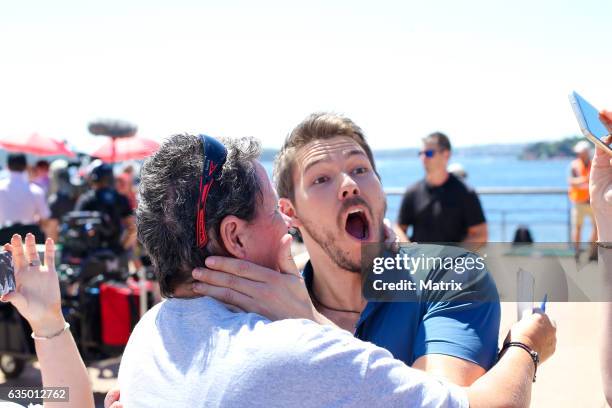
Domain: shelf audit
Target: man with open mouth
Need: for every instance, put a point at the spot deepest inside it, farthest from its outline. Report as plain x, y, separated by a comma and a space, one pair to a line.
326, 171
328, 186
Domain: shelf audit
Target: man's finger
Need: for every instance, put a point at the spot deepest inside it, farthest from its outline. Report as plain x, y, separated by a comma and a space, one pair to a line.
606, 118
286, 264
49, 255
30, 250
388, 238
227, 280
601, 157
224, 295
239, 267
18, 256
112, 397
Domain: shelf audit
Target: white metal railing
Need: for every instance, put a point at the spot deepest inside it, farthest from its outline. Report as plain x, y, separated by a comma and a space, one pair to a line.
530, 191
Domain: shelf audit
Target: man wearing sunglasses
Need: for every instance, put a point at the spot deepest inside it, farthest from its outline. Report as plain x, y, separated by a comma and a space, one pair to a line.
200, 199
329, 188
441, 208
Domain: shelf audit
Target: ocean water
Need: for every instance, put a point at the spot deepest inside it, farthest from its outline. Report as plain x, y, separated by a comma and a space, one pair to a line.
547, 216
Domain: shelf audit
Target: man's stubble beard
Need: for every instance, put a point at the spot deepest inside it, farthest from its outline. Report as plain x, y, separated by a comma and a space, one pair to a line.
325, 239
327, 242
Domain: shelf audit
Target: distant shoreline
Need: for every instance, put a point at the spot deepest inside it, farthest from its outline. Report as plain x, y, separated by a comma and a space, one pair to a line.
554, 150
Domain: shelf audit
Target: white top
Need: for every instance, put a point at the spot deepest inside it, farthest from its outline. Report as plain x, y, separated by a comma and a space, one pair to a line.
198, 353
21, 201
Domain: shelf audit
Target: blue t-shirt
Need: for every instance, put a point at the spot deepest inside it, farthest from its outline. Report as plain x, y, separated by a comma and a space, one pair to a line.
463, 326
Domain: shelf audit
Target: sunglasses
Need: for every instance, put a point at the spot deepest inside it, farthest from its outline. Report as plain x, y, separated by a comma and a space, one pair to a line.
214, 157
428, 153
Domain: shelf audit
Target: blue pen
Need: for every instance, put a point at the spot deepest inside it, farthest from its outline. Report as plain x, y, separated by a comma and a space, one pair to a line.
543, 305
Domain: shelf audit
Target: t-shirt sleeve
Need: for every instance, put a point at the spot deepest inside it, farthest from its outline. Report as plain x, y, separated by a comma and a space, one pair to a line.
345, 371
462, 324
473, 210
466, 330
406, 212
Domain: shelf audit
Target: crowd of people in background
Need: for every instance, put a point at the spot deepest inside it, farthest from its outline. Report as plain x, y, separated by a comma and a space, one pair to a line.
36, 198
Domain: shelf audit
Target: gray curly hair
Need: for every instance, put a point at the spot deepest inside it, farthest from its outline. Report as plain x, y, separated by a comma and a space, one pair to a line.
169, 189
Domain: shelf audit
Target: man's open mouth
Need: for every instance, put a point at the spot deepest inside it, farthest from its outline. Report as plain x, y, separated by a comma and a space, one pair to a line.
357, 224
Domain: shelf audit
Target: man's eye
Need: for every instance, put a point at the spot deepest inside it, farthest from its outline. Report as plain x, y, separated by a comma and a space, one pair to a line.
360, 170
320, 180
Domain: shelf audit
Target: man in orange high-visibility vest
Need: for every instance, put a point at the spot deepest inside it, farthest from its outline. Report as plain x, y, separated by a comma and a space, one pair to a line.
579, 195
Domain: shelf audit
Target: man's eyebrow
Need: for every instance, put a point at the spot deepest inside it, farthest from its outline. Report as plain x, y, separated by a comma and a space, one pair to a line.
315, 162
353, 152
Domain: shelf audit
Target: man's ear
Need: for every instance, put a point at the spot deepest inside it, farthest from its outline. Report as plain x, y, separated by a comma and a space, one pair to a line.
232, 235
286, 207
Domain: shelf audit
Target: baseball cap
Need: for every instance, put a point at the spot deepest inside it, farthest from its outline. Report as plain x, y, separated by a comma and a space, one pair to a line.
582, 146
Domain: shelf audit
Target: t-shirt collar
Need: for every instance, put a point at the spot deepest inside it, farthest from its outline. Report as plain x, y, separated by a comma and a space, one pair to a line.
308, 275
18, 176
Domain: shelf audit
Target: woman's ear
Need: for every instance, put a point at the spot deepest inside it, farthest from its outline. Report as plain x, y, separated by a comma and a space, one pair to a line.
232, 235
286, 207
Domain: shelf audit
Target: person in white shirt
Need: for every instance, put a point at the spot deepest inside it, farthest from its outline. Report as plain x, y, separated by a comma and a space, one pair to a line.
21, 202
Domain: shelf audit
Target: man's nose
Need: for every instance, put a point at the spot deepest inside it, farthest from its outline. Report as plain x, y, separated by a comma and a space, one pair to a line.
348, 188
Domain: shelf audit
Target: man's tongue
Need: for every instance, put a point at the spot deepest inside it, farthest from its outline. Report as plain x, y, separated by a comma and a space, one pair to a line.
355, 226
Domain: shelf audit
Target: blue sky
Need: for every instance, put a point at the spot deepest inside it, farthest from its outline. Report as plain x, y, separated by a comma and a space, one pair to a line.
482, 71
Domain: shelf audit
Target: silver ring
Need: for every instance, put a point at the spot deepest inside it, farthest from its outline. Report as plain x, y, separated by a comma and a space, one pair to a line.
34, 263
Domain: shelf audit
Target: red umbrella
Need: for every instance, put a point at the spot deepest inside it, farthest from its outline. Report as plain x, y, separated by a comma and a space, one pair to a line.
37, 145
127, 148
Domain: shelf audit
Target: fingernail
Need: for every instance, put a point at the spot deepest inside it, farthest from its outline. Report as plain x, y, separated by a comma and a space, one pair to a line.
196, 273
210, 261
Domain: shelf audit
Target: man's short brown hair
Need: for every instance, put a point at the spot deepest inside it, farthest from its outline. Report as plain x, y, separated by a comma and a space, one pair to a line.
317, 126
